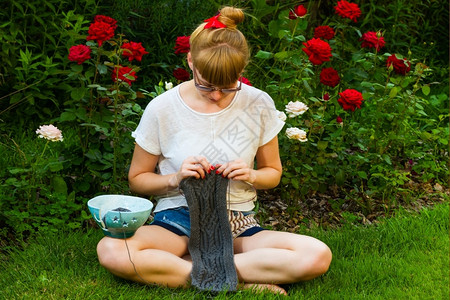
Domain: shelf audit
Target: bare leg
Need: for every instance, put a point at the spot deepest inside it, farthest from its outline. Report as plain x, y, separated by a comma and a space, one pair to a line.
155, 252
262, 260
280, 257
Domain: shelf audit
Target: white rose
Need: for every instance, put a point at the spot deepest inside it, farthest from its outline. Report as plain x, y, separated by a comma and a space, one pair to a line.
296, 108
294, 133
169, 85
281, 115
50, 133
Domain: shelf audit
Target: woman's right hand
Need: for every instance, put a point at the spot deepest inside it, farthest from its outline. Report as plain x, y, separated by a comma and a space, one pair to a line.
193, 166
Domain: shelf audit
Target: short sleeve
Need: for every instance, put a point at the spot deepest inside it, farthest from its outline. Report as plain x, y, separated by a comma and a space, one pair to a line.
147, 132
271, 122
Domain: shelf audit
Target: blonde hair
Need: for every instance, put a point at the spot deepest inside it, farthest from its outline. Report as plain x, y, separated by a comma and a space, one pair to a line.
220, 54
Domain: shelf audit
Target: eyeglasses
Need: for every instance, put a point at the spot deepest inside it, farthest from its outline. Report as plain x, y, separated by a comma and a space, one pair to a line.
209, 89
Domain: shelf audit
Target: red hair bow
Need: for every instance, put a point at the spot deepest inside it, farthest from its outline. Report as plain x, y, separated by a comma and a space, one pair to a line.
214, 23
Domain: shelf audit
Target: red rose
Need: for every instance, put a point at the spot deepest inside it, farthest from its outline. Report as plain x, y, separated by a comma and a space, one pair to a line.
182, 45
133, 50
298, 12
350, 99
372, 39
246, 81
79, 53
326, 97
325, 32
106, 19
339, 119
401, 66
348, 10
318, 51
125, 74
181, 74
330, 77
100, 32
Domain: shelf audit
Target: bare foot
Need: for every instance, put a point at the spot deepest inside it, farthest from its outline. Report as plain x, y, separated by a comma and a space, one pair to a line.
264, 287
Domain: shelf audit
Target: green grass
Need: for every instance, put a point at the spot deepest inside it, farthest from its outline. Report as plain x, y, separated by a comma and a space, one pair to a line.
404, 257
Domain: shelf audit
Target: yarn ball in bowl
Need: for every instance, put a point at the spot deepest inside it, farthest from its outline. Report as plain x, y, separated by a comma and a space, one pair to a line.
119, 216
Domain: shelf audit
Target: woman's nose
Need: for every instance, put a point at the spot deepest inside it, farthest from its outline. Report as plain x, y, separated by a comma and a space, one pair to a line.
216, 95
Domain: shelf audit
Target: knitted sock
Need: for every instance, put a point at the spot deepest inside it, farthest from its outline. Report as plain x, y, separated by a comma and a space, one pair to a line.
211, 242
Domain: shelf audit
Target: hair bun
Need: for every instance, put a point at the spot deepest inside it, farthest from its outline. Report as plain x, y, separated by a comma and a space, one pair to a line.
231, 16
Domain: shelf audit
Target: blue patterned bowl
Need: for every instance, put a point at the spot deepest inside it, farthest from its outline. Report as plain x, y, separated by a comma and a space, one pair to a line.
119, 216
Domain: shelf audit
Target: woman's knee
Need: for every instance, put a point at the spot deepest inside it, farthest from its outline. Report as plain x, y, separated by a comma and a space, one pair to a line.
105, 251
319, 261
111, 256
323, 259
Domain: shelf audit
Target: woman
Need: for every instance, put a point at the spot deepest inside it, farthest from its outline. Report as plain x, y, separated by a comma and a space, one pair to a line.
213, 123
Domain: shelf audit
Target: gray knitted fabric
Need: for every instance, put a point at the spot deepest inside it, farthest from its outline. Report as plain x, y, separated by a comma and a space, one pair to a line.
211, 242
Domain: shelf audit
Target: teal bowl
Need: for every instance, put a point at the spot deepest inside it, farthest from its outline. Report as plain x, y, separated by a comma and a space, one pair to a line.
119, 216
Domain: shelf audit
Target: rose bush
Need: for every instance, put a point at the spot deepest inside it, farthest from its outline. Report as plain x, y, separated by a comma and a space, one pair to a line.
401, 66
49, 132
102, 105
294, 133
348, 10
79, 53
133, 51
298, 12
348, 102
123, 74
105, 19
181, 74
376, 155
182, 45
324, 32
372, 39
317, 50
296, 108
100, 31
329, 76
350, 99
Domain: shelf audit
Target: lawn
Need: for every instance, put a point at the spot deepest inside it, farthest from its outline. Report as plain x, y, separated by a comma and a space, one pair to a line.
403, 257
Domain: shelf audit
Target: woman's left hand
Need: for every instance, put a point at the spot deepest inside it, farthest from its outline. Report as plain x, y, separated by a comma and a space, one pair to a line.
237, 170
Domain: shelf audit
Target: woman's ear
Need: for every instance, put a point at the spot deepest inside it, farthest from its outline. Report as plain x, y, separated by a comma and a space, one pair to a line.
189, 60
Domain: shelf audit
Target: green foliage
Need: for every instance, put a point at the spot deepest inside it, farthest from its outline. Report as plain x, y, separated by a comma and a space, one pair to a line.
99, 116
419, 26
399, 134
33, 35
104, 112
36, 36
35, 192
157, 24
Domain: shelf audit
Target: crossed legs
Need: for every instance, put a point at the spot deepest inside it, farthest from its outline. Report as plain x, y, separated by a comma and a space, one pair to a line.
280, 257
155, 252
161, 257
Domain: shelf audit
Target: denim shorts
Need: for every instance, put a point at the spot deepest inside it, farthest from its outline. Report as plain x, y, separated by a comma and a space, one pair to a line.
177, 221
